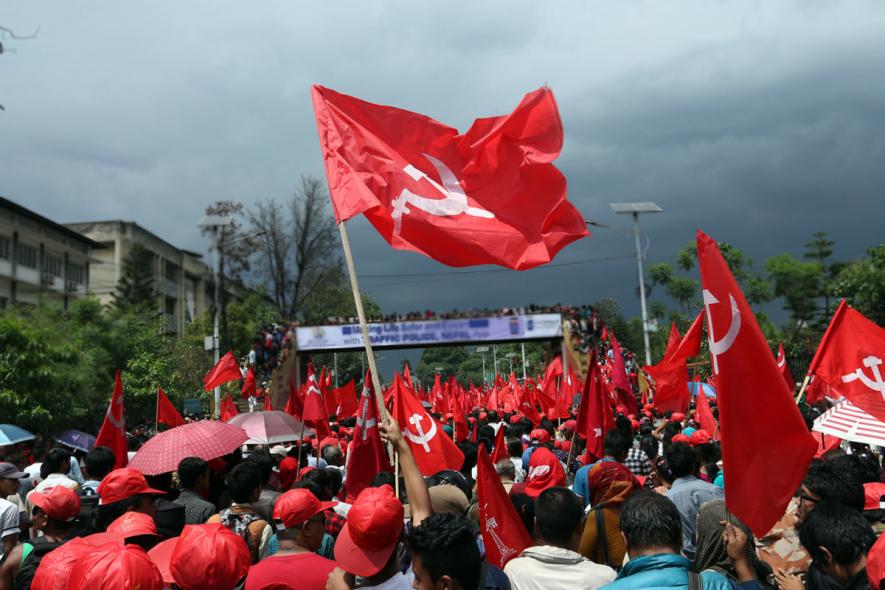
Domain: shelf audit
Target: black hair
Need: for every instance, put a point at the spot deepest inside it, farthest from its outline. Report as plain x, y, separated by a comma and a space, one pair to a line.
469, 450
108, 513
55, 458
265, 464
832, 485
617, 442
309, 484
446, 546
331, 454
99, 462
558, 514
322, 480
681, 460
670, 430
514, 447
190, 469
623, 423
525, 508
650, 520
486, 432
384, 478
862, 467
649, 445
844, 532
492, 417
243, 480
335, 480
454, 478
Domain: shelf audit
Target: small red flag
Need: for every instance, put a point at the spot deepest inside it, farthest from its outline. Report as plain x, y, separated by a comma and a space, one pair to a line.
346, 404
766, 447
850, 359
595, 416
784, 367
620, 381
499, 447
459, 419
166, 412
315, 406
268, 404
407, 376
113, 430
489, 196
250, 387
433, 450
295, 404
690, 345
671, 385
227, 369
367, 456
228, 408
503, 533
673, 340
705, 413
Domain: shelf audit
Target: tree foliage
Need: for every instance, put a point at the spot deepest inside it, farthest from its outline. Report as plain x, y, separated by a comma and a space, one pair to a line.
135, 288
862, 284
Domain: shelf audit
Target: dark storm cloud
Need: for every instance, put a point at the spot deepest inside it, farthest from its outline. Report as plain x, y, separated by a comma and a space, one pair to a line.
759, 122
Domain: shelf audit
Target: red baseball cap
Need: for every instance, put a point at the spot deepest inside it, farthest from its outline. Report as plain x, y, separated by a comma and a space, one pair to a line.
680, 438
295, 507
55, 566
123, 483
569, 425
115, 566
161, 554
373, 528
648, 407
677, 416
133, 524
540, 436
60, 503
700, 437
875, 564
209, 556
873, 493
515, 418
482, 415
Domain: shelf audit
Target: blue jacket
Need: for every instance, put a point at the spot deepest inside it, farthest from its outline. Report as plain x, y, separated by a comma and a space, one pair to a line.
663, 572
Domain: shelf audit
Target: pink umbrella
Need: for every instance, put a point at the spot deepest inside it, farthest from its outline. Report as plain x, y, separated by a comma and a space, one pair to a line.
206, 440
269, 427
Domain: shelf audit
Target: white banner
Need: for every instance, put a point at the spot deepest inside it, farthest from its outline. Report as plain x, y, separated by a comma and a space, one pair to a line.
431, 332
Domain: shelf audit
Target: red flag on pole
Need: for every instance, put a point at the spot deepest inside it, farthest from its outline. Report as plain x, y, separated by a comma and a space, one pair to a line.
166, 412
620, 381
295, 404
503, 533
671, 385
705, 413
499, 447
315, 406
459, 419
346, 404
367, 456
250, 387
228, 408
433, 450
690, 345
227, 369
595, 413
407, 376
113, 431
673, 340
489, 196
850, 357
785, 369
766, 446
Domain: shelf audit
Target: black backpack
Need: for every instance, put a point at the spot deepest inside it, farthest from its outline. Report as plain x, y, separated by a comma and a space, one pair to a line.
86, 522
39, 548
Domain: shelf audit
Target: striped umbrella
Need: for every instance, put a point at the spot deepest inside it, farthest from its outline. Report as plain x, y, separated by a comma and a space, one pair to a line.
848, 422
10, 435
207, 440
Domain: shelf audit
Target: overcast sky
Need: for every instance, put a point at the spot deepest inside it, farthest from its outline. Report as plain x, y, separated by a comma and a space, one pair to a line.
760, 122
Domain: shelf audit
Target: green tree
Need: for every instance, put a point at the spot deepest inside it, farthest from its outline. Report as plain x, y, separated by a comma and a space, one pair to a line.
798, 283
135, 288
862, 284
820, 249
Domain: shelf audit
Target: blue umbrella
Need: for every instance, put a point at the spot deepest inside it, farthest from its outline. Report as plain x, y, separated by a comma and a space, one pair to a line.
708, 389
10, 435
77, 440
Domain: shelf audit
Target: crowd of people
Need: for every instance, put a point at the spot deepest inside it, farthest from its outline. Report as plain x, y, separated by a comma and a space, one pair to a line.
649, 513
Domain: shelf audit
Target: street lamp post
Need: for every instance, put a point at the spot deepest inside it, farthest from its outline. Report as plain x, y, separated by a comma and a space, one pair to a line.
216, 223
482, 350
635, 209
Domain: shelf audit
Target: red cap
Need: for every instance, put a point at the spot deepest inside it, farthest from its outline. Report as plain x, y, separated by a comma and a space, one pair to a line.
621, 409
700, 437
648, 414
680, 438
330, 440
471, 420
133, 524
557, 444
482, 415
566, 445
55, 566
115, 566
295, 507
60, 503
304, 471
99, 539
569, 425
161, 554
123, 483
540, 436
448, 416
634, 423
209, 556
648, 407
374, 525
875, 564
677, 417
873, 493
515, 418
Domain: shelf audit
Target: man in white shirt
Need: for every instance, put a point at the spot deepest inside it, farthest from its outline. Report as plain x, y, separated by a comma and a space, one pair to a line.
555, 564
9, 527
56, 465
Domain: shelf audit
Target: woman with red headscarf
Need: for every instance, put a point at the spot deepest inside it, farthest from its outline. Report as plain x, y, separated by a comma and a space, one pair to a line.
288, 473
610, 484
545, 471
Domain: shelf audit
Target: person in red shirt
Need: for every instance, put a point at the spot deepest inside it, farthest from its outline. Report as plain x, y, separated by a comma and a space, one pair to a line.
300, 523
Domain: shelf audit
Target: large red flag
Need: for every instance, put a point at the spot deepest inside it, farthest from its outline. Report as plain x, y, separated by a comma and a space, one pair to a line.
784, 367
620, 381
673, 340
227, 369
250, 387
367, 456
766, 447
433, 450
690, 345
671, 385
228, 408
850, 358
705, 413
595, 413
113, 431
346, 404
503, 534
315, 406
166, 412
489, 196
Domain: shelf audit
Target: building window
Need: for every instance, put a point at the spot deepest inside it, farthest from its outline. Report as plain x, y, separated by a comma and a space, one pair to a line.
52, 265
5, 244
26, 255
76, 274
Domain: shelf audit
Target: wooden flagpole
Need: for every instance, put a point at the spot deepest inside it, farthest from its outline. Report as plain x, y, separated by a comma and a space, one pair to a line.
802, 389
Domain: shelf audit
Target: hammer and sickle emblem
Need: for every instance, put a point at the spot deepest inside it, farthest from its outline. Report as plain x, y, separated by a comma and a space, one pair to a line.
876, 384
117, 422
453, 203
364, 422
718, 347
421, 438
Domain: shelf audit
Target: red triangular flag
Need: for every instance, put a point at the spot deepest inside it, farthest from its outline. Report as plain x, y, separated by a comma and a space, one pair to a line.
250, 387
228, 408
295, 404
367, 456
850, 358
433, 450
503, 533
113, 430
346, 404
315, 406
705, 413
670, 386
784, 367
499, 447
673, 340
459, 420
407, 376
690, 345
766, 447
620, 381
442, 189
595, 413
227, 369
166, 412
